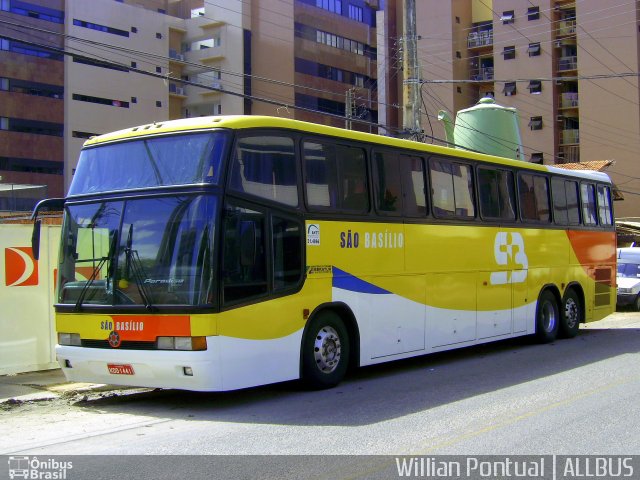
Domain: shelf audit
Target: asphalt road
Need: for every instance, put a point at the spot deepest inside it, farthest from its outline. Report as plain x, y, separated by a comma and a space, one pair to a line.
571, 397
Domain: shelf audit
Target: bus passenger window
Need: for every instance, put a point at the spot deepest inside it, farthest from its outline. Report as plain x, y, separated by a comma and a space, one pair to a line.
321, 178
451, 189
496, 193
335, 177
413, 190
566, 208
588, 196
604, 205
265, 166
534, 197
388, 191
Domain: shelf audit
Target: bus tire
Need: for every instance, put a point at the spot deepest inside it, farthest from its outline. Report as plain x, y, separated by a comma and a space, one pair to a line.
547, 317
325, 351
571, 314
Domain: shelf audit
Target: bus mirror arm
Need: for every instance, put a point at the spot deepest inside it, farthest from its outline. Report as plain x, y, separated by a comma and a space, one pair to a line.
48, 204
35, 239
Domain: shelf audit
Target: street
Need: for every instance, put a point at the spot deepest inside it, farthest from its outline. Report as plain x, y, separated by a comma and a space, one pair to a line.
573, 397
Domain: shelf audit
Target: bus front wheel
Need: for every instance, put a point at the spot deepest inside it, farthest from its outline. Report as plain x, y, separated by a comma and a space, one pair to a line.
325, 351
547, 317
571, 314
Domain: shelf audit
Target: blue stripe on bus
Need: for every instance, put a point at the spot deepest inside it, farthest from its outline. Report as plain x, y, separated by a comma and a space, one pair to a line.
346, 281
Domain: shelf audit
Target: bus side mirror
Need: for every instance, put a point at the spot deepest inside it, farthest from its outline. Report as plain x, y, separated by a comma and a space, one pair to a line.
35, 239
248, 247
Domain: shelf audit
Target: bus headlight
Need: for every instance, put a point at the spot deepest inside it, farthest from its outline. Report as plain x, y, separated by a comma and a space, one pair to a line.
182, 343
72, 339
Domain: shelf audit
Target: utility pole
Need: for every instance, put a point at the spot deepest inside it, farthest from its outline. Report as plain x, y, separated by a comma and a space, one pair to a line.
349, 108
411, 70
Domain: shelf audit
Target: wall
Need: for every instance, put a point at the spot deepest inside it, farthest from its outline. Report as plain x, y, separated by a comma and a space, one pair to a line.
27, 326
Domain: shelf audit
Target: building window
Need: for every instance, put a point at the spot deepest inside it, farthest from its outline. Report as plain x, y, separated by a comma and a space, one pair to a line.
158, 35
25, 49
509, 89
533, 13
334, 6
32, 88
99, 63
158, 103
535, 123
158, 69
101, 101
537, 157
34, 127
457, 19
509, 53
33, 11
459, 89
134, 65
535, 87
355, 13
507, 17
134, 30
458, 54
134, 99
100, 28
534, 49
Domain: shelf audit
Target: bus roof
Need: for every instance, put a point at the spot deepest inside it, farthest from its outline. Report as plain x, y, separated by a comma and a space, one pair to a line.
239, 122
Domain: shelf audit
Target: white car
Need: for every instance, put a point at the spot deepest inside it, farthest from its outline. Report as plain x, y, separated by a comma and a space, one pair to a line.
628, 278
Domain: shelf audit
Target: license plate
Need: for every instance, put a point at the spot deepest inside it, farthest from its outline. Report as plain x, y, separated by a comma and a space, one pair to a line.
117, 369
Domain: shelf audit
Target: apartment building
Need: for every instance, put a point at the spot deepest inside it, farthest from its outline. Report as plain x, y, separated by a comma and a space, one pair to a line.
557, 61
119, 63
31, 102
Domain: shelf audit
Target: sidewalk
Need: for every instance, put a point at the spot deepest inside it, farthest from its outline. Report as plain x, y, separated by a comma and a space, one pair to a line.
42, 385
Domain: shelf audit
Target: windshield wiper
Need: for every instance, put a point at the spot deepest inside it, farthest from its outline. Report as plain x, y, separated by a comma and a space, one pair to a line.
96, 270
134, 264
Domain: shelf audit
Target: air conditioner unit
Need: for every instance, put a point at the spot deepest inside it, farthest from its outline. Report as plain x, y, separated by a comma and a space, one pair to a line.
558, 82
557, 43
560, 118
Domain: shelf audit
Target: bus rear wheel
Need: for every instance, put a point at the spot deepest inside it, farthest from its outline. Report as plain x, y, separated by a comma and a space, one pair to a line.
571, 314
547, 318
325, 351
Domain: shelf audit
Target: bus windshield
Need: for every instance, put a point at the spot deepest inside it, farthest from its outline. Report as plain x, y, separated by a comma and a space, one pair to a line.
150, 252
150, 162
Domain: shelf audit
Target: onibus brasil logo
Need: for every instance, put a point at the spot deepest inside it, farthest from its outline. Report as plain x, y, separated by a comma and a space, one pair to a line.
34, 468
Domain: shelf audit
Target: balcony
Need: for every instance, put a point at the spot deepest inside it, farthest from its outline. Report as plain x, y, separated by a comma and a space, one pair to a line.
174, 89
566, 27
482, 38
570, 137
569, 100
483, 74
568, 63
570, 154
174, 55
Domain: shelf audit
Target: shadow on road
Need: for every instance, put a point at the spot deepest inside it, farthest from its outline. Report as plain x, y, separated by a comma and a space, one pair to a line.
383, 392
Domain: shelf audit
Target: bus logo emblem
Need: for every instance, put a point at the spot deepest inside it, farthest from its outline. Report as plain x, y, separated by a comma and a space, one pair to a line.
313, 234
114, 339
508, 250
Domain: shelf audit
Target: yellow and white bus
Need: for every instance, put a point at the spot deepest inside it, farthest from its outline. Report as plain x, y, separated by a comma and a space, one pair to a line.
220, 253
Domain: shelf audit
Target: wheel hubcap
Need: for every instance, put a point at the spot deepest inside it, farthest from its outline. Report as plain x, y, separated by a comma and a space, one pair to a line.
327, 350
571, 313
548, 317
